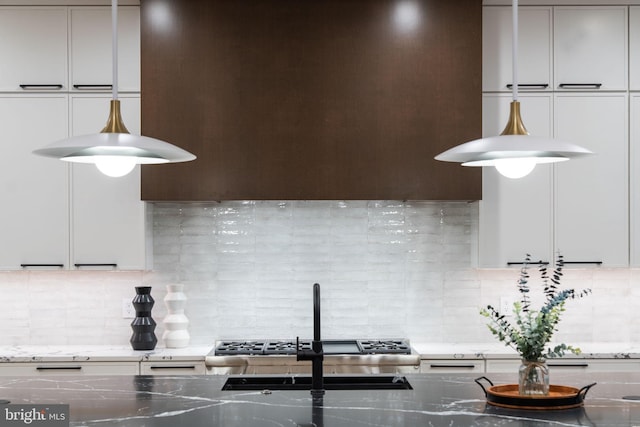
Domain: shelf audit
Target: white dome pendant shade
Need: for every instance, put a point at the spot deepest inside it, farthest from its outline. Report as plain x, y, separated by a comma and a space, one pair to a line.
514, 153
115, 151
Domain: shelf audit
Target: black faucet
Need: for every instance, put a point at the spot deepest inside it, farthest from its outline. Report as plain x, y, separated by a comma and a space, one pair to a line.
315, 354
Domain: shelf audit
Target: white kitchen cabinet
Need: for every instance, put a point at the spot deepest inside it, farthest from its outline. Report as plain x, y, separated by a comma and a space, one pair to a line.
634, 156
590, 47
67, 49
494, 366
68, 368
634, 48
593, 365
516, 215
447, 366
34, 220
173, 367
579, 208
91, 48
33, 48
54, 221
62, 215
107, 215
534, 48
591, 194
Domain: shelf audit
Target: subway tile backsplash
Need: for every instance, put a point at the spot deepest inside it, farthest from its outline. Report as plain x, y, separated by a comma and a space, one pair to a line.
386, 268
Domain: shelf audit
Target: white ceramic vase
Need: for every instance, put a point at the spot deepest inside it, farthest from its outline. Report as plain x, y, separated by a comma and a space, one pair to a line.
175, 322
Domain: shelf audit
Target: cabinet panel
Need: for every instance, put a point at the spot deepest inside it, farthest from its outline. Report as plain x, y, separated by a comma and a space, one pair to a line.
634, 155
516, 215
91, 47
33, 47
108, 218
34, 221
534, 48
591, 194
173, 368
634, 48
594, 365
436, 366
494, 366
68, 368
590, 46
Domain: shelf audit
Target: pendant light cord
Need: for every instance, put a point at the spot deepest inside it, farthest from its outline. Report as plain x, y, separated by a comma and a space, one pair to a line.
114, 48
514, 48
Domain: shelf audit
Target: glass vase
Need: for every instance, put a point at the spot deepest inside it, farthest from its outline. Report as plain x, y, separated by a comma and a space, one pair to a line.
533, 378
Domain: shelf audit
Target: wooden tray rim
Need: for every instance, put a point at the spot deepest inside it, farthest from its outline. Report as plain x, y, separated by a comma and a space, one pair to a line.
506, 390
567, 397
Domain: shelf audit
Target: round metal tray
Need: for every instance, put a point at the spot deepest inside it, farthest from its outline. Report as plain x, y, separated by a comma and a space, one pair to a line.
559, 397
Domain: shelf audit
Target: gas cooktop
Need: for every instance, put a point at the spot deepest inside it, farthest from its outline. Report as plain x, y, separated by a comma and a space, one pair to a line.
288, 347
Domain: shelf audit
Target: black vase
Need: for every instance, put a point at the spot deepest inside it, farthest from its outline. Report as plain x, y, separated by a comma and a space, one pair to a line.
143, 325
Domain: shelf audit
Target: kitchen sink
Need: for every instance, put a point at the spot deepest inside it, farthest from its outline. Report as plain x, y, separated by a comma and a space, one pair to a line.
337, 382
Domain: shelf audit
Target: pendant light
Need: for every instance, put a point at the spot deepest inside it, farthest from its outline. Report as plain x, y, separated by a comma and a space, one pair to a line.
114, 150
514, 153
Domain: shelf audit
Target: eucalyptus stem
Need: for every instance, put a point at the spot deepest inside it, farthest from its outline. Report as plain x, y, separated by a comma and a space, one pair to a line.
533, 329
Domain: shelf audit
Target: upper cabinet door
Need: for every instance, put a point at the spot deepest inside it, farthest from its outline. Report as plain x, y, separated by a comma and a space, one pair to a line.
634, 48
634, 162
592, 208
34, 219
534, 48
33, 49
590, 48
516, 214
108, 217
91, 48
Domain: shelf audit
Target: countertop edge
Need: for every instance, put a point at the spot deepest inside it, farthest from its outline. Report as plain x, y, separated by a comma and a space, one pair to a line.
21, 354
422, 351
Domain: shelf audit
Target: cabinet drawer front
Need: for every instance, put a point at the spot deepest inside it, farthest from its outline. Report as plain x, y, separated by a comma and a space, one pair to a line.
561, 365
451, 366
595, 365
85, 368
174, 368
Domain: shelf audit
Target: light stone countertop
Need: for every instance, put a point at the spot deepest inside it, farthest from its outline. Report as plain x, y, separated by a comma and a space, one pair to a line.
498, 350
464, 351
98, 353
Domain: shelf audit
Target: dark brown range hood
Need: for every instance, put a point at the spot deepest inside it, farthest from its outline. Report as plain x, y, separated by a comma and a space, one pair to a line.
311, 100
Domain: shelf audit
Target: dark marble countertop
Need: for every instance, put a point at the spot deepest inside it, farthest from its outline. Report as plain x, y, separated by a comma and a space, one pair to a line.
436, 400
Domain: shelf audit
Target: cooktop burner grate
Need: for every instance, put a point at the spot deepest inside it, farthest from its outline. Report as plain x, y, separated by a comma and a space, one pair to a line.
284, 346
288, 347
240, 347
396, 346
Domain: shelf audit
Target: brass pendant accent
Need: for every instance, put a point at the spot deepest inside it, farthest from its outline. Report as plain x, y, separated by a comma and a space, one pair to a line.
115, 124
515, 125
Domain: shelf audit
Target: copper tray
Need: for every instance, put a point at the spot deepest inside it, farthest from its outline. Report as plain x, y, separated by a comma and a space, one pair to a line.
559, 397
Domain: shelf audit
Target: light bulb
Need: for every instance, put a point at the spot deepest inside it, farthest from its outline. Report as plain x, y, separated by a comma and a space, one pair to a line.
515, 168
115, 166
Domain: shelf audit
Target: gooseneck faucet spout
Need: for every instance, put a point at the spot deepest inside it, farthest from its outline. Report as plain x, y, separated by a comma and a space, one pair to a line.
316, 353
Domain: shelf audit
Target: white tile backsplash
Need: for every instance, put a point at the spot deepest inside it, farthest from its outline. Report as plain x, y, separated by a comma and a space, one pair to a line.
387, 269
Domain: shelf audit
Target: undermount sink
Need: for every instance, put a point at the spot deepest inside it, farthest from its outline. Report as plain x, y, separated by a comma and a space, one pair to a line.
361, 382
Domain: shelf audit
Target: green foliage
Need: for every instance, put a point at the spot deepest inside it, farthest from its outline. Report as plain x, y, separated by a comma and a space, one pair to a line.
533, 329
